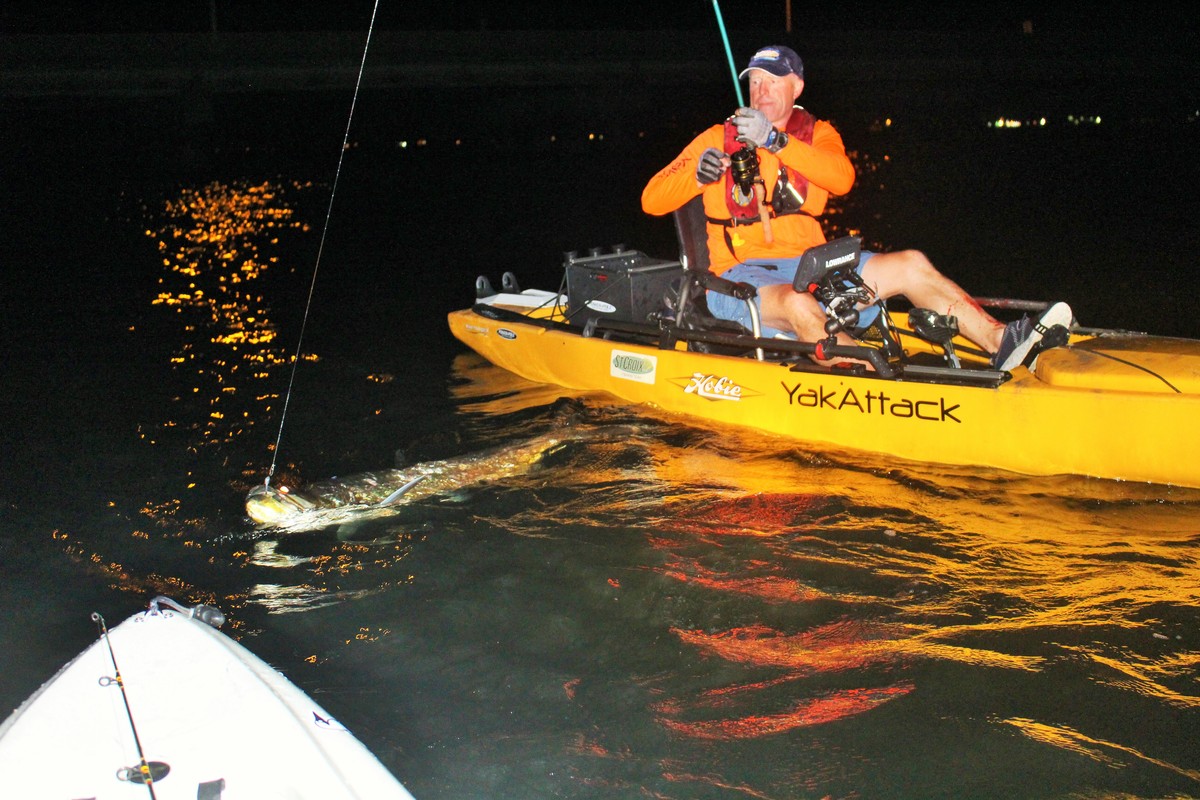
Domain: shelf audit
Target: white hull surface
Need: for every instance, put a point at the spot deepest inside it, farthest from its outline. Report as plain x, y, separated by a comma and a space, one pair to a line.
225, 723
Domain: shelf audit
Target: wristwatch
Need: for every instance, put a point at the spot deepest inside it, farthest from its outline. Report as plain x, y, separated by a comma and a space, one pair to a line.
777, 141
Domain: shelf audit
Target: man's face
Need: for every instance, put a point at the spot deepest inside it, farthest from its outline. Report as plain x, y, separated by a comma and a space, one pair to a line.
774, 96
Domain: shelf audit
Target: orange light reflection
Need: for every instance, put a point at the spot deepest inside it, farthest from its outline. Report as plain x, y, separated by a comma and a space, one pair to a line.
217, 243
810, 711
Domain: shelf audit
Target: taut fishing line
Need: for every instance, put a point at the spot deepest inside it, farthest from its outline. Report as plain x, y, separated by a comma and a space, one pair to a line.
737, 86
321, 247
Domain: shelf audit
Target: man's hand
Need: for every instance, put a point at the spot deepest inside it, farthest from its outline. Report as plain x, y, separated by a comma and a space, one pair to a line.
712, 166
754, 128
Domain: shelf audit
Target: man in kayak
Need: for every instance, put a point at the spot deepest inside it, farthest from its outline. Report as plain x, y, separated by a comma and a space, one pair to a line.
802, 161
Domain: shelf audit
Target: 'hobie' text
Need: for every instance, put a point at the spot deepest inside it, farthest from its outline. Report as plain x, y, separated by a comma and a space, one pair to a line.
713, 388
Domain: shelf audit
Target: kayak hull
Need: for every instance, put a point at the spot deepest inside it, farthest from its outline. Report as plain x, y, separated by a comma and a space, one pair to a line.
1079, 412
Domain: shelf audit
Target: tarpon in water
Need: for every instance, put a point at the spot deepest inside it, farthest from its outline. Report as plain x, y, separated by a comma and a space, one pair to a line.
284, 506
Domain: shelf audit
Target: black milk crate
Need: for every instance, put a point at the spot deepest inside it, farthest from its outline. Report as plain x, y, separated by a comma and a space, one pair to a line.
622, 285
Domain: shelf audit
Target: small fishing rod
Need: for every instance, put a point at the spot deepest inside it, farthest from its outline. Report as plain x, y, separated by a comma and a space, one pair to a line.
321, 248
143, 765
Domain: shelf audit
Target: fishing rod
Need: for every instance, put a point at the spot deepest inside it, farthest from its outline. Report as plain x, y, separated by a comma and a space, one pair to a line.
144, 772
737, 86
745, 162
321, 248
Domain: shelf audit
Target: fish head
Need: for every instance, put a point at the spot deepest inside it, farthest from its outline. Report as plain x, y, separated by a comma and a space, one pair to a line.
268, 505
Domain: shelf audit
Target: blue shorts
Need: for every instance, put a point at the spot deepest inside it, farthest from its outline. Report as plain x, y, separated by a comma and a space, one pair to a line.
759, 273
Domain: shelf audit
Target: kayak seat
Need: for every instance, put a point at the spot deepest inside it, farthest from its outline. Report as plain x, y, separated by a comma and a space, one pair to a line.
685, 302
692, 231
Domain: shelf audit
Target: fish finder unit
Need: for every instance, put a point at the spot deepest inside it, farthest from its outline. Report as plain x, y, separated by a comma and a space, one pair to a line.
828, 264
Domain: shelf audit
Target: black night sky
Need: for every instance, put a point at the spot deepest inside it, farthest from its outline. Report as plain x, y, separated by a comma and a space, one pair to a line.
181, 16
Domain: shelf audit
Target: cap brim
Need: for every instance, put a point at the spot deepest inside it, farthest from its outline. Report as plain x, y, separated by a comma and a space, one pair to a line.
748, 70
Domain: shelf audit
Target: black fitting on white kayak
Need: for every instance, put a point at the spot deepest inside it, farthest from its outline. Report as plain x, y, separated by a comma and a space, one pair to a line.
209, 615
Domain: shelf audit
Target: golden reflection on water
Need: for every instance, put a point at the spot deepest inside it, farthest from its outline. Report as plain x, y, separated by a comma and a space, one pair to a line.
987, 573
217, 243
224, 249
893, 572
1104, 752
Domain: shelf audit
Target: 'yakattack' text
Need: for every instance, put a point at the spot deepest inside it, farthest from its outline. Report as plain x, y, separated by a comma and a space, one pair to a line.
870, 402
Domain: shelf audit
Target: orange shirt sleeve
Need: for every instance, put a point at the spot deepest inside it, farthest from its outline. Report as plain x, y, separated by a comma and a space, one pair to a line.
824, 162
676, 183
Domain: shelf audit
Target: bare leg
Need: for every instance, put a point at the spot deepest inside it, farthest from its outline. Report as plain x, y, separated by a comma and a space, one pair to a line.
910, 273
781, 306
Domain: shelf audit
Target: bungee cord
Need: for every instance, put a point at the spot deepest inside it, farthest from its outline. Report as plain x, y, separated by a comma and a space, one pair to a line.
321, 248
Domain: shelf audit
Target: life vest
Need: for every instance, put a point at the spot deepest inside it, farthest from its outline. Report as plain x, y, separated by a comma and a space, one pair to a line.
799, 126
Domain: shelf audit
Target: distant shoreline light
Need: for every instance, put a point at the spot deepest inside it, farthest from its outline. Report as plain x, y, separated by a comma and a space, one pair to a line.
1041, 122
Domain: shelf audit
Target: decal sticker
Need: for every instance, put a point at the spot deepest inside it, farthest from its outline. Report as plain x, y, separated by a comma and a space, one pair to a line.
601, 306
633, 366
486, 311
505, 333
871, 402
713, 388
476, 329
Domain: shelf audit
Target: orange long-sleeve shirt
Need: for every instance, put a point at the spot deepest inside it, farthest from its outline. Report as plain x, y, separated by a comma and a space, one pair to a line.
824, 163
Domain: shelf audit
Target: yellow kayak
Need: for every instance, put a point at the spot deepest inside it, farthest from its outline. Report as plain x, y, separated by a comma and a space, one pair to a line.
1107, 404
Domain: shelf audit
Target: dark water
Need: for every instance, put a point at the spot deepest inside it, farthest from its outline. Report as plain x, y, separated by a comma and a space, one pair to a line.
681, 613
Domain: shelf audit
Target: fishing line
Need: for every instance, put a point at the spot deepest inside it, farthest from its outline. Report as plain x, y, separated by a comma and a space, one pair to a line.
321, 247
144, 767
737, 86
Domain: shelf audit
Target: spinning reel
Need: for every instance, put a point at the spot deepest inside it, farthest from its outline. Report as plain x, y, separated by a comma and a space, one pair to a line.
743, 168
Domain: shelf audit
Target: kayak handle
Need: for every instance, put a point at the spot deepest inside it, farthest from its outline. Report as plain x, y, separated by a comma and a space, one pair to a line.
209, 615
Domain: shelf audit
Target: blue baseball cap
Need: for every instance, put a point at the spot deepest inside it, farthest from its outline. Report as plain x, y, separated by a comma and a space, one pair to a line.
777, 60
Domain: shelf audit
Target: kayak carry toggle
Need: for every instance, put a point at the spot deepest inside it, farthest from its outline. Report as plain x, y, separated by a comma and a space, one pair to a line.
209, 615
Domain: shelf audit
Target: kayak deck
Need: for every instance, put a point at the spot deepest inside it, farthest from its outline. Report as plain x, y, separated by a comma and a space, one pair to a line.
1127, 363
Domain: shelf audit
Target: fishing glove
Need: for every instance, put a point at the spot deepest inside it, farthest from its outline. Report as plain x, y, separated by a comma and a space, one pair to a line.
711, 167
754, 128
